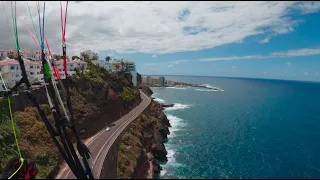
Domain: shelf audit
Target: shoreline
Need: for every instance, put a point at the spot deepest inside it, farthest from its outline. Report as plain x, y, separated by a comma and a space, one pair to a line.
190, 85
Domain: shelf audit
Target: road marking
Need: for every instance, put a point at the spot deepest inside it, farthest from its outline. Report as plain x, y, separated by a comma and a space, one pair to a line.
119, 132
126, 123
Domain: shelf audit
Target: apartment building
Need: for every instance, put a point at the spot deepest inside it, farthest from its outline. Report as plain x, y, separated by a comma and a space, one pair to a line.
71, 66
117, 65
149, 80
89, 53
161, 81
11, 71
144, 79
29, 55
102, 63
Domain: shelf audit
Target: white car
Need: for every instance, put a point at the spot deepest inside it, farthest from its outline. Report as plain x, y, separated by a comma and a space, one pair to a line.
108, 129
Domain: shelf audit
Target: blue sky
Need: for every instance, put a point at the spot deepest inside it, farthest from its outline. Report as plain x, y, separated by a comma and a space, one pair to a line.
286, 48
261, 39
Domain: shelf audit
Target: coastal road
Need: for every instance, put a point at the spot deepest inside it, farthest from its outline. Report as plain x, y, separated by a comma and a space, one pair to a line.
100, 143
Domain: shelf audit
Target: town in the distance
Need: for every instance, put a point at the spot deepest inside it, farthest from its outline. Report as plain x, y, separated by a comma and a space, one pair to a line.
11, 72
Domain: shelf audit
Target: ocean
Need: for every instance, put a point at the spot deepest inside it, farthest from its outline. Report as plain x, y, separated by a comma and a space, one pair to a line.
254, 128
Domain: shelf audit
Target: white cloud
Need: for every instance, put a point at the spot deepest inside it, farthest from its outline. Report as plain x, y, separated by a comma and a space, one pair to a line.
308, 7
234, 58
180, 61
154, 56
306, 73
290, 53
234, 67
317, 74
170, 66
299, 52
266, 40
156, 27
153, 64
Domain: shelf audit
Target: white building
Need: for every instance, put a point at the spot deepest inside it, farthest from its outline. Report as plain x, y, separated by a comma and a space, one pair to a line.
33, 69
11, 71
89, 53
71, 65
117, 65
104, 64
144, 79
134, 75
149, 80
29, 55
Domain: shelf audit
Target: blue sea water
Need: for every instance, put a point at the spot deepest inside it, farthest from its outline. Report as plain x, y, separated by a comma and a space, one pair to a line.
255, 128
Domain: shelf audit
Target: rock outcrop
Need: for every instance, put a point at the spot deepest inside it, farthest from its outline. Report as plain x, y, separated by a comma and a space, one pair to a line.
142, 147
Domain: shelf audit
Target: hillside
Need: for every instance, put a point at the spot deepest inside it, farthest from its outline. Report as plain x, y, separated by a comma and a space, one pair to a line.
142, 149
98, 98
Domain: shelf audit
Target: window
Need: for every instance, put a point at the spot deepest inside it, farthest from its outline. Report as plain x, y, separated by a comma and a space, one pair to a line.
17, 75
38, 67
0, 69
12, 67
31, 73
38, 72
31, 67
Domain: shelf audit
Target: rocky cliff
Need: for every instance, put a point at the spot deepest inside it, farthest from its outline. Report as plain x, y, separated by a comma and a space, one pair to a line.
142, 148
98, 98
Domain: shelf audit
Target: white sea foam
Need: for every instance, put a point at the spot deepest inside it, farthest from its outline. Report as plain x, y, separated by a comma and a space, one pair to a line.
176, 87
176, 125
160, 100
177, 106
206, 90
210, 86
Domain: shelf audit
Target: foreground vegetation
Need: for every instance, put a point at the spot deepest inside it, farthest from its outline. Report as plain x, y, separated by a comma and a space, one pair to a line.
34, 140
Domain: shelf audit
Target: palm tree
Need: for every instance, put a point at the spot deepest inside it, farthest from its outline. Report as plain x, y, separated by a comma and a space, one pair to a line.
122, 64
108, 58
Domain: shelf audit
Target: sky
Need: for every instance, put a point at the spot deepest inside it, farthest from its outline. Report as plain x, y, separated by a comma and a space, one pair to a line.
278, 40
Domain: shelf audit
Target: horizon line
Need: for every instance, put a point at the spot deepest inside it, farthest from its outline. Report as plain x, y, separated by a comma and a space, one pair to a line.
236, 77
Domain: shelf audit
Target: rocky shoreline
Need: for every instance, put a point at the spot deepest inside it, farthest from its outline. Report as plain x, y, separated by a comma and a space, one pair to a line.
142, 146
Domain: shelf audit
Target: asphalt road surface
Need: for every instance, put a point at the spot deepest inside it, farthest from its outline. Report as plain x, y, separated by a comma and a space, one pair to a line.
100, 143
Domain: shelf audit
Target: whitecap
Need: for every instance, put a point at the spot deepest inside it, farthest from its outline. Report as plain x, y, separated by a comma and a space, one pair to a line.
176, 123
160, 100
177, 106
176, 87
206, 90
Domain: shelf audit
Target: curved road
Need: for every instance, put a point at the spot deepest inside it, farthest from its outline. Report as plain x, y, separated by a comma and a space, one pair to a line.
100, 143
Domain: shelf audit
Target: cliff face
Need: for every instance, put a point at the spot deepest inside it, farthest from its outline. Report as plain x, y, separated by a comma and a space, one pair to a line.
98, 98
142, 148
146, 90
